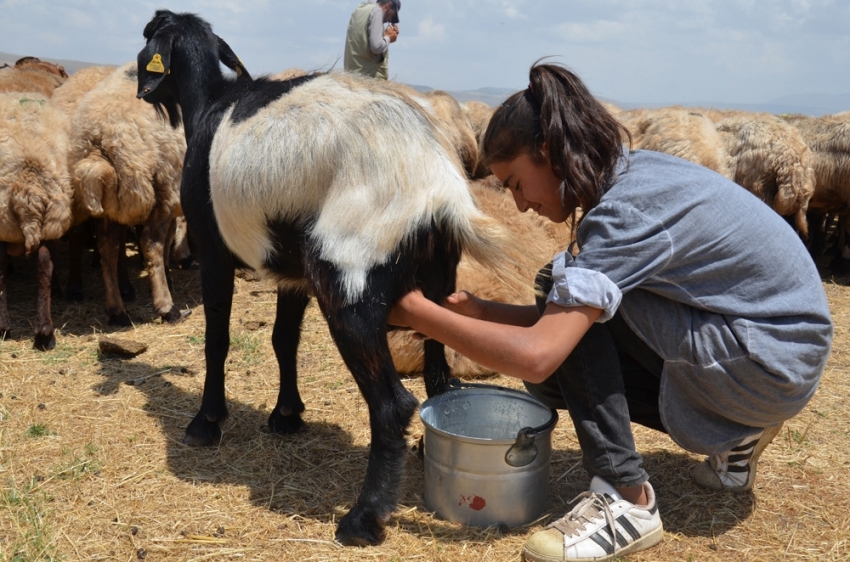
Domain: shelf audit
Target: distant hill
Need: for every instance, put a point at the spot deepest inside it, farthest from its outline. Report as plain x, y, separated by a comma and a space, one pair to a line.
807, 104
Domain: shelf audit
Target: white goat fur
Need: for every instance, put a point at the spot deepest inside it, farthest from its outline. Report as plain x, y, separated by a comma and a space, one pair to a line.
35, 191
362, 211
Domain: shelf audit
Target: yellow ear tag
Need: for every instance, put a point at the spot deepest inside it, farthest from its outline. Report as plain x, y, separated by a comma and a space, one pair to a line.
155, 65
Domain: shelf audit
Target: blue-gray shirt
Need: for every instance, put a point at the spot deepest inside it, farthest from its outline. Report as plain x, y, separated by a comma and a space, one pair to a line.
716, 283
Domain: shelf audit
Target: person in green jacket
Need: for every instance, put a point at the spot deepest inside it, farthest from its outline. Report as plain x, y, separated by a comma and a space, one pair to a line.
367, 43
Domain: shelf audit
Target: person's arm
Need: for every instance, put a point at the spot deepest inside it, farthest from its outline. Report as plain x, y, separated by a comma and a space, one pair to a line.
531, 353
378, 43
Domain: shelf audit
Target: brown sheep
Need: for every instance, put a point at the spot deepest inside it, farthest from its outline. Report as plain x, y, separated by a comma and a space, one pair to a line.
31, 74
678, 131
771, 159
35, 196
828, 137
126, 164
478, 113
542, 240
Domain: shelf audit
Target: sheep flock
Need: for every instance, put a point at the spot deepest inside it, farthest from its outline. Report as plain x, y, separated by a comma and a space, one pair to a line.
84, 164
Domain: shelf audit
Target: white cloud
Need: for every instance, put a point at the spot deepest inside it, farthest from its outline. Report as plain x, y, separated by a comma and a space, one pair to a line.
431, 31
593, 32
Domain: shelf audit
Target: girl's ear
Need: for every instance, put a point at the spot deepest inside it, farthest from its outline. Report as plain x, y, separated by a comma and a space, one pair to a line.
544, 150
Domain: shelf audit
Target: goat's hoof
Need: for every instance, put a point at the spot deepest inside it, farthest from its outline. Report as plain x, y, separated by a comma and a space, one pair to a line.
202, 433
128, 293
283, 425
175, 315
44, 342
121, 319
358, 528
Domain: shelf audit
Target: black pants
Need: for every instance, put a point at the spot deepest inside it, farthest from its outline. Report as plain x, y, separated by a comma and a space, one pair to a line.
610, 379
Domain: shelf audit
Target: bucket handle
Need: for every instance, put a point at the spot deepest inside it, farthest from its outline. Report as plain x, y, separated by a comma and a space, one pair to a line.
524, 451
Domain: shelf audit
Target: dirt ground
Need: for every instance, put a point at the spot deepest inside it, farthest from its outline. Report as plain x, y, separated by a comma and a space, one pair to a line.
92, 466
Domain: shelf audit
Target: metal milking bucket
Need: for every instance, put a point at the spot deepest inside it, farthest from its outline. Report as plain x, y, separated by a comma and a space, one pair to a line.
487, 452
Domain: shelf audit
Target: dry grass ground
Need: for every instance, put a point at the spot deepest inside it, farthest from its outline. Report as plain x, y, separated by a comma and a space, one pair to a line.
92, 466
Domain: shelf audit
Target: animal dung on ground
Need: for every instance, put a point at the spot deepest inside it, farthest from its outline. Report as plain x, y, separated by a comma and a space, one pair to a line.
116, 346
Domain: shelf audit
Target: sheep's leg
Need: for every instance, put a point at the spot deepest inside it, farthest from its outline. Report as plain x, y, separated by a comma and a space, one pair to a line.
286, 417
153, 241
5, 323
125, 286
44, 339
74, 287
217, 276
108, 239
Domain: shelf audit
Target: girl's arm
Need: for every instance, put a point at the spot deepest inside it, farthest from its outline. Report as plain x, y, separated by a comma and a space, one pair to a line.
529, 352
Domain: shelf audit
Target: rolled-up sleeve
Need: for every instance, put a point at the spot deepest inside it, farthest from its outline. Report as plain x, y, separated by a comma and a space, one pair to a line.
576, 286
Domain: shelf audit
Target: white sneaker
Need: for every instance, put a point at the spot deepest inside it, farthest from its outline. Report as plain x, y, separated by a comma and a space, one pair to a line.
602, 526
735, 470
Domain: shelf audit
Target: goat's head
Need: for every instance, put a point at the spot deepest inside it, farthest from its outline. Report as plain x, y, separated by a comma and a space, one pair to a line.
183, 43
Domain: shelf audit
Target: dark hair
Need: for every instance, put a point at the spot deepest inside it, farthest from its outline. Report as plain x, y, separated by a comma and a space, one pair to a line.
583, 139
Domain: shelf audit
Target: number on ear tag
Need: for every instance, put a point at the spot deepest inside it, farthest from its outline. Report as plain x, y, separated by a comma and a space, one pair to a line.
155, 65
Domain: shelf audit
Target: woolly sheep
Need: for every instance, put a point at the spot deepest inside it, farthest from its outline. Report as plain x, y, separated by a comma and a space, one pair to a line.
335, 185
31, 74
478, 114
828, 137
125, 170
35, 196
678, 131
769, 158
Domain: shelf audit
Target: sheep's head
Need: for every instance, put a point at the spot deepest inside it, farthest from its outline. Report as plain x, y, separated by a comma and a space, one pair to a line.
170, 38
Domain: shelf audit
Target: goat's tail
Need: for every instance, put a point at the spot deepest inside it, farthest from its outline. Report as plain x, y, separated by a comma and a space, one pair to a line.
490, 243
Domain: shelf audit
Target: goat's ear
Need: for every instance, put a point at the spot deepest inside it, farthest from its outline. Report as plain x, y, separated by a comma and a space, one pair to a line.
231, 61
154, 62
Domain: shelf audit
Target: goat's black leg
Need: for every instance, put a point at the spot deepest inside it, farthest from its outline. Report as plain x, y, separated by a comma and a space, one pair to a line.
437, 277
5, 323
217, 275
44, 338
286, 417
360, 334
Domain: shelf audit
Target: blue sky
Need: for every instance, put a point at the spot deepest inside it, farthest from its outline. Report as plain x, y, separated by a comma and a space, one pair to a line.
671, 51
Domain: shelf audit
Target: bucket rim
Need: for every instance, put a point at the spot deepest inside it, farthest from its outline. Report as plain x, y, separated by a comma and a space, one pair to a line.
475, 388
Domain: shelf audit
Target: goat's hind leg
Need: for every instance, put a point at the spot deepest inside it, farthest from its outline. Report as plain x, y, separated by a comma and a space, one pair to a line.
286, 417
360, 334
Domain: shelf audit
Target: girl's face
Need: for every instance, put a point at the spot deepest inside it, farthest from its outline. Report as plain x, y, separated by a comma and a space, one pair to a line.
534, 186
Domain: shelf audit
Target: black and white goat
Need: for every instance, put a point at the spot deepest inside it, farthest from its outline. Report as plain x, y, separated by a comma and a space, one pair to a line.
335, 186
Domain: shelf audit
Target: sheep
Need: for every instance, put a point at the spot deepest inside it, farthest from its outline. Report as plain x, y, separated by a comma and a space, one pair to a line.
678, 131
31, 74
337, 186
35, 196
770, 159
455, 124
478, 114
541, 239
126, 166
66, 98
828, 137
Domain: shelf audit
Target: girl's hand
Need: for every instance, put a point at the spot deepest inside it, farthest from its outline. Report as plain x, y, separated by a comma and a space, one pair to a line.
465, 303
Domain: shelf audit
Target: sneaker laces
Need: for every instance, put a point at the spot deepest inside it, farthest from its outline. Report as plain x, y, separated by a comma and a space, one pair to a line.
733, 466
592, 506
